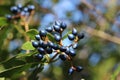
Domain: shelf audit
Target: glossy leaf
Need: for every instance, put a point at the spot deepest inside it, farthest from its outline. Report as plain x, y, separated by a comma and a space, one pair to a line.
27, 46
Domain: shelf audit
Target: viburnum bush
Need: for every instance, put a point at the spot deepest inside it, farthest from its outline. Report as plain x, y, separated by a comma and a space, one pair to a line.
40, 47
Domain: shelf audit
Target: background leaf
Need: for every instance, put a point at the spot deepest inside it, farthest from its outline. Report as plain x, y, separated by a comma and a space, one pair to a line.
27, 46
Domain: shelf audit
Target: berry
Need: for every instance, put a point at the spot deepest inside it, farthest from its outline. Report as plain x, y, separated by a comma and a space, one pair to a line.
70, 71
74, 31
62, 57
41, 50
40, 43
14, 10
9, 17
35, 44
67, 51
39, 56
79, 68
72, 53
71, 37
63, 25
49, 29
75, 46
25, 9
56, 47
63, 48
49, 50
44, 45
57, 23
80, 36
57, 37
37, 37
42, 33
50, 44
31, 7
56, 28
19, 6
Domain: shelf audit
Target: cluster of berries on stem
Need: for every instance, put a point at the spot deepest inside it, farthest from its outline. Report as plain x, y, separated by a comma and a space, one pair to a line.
20, 11
56, 47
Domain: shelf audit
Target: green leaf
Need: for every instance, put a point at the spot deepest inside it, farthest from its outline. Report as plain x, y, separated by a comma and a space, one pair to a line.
14, 70
3, 21
27, 46
31, 33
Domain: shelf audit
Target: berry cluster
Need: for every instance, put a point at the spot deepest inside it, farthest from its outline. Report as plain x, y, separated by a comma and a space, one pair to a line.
19, 11
46, 46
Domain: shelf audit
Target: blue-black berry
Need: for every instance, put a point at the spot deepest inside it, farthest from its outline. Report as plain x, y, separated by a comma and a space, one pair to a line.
41, 50
75, 46
57, 37
42, 33
49, 29
63, 25
20, 6
49, 50
63, 48
71, 37
72, 53
14, 9
9, 17
37, 37
56, 28
63, 57
74, 31
31, 7
44, 45
35, 44
70, 71
39, 56
79, 68
80, 35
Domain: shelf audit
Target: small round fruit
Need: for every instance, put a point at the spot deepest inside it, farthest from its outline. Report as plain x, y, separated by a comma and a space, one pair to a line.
51, 44
74, 31
70, 71
19, 6
25, 9
71, 37
55, 47
63, 57
14, 9
42, 33
49, 29
41, 50
79, 68
72, 53
63, 25
39, 56
56, 28
35, 44
31, 7
63, 48
80, 35
49, 50
75, 46
57, 37
37, 37
9, 17
44, 45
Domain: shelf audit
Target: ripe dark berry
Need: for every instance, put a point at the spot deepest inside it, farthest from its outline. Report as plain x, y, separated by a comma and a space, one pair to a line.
49, 29
56, 28
19, 6
42, 33
72, 53
79, 68
67, 51
49, 50
35, 44
44, 45
41, 50
56, 47
71, 37
57, 23
40, 43
74, 31
57, 37
25, 9
37, 37
70, 71
75, 46
50, 44
39, 56
9, 17
14, 9
31, 7
63, 25
63, 48
80, 35
63, 57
